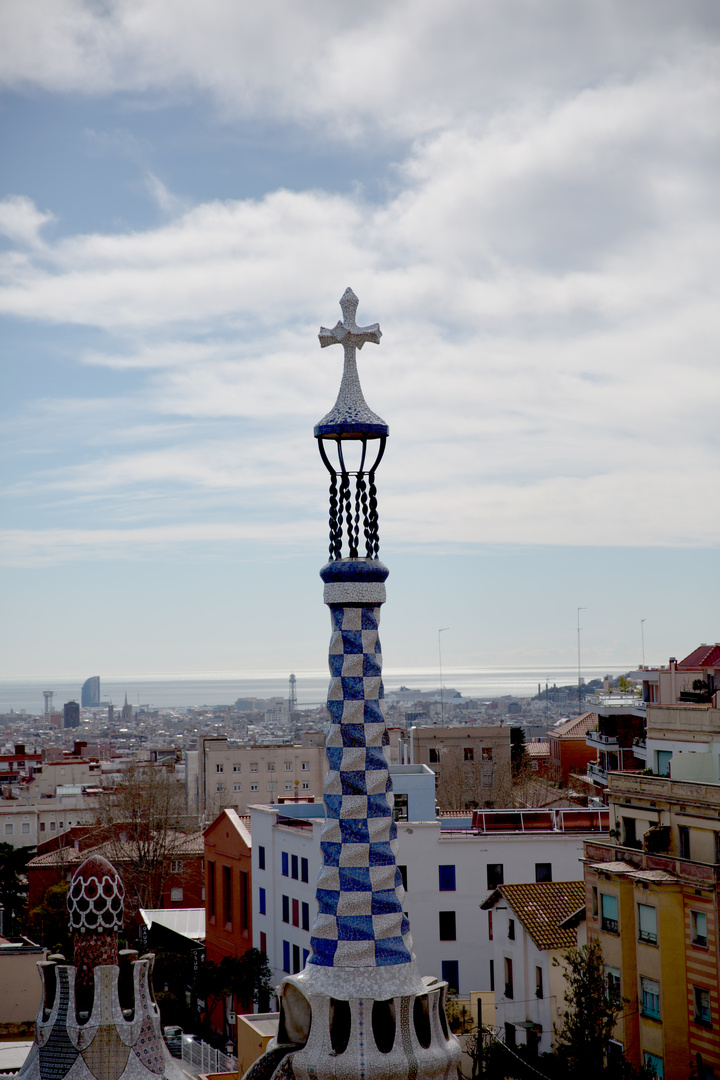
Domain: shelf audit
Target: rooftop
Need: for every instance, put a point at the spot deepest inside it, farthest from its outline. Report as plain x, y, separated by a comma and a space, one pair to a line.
541, 907
577, 728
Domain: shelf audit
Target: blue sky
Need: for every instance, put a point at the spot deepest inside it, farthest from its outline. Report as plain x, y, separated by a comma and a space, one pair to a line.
523, 195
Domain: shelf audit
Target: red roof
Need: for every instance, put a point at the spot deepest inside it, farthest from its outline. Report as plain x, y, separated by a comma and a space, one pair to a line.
703, 656
575, 729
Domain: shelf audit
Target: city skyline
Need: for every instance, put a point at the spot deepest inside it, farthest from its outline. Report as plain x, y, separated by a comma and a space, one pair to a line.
524, 200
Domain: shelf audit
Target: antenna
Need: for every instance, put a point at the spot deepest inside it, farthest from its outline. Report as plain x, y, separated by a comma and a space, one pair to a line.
579, 672
292, 696
442, 688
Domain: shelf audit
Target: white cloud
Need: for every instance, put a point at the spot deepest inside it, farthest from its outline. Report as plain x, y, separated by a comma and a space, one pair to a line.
21, 221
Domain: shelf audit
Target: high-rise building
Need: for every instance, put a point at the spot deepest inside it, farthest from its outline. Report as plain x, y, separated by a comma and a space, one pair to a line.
71, 714
90, 695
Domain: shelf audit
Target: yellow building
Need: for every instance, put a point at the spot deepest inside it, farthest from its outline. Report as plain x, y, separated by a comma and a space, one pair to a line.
651, 897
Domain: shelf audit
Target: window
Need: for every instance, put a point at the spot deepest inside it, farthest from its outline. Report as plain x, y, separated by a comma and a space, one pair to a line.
237, 787
650, 998
253, 787
495, 875
261, 858
490, 926
176, 896
451, 975
663, 762
304, 870
447, 925
487, 753
652, 1061
612, 984
244, 900
263, 941
219, 787
296, 959
271, 785
288, 766
306, 953
211, 888
296, 912
446, 875
237, 768
52, 827
294, 866
698, 921
702, 1005
227, 895
286, 909
594, 901
647, 924
717, 846
400, 807
271, 766
630, 831
285, 859
510, 1039
286, 956
508, 978
609, 913
25, 827
543, 871
262, 901
433, 756
42, 827
305, 916
468, 753
9, 828
538, 982
289, 787
492, 976
219, 768
253, 766
176, 866
305, 766
305, 785
683, 842
511, 929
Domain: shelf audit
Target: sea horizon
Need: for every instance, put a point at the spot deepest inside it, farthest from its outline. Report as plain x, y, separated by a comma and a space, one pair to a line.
168, 690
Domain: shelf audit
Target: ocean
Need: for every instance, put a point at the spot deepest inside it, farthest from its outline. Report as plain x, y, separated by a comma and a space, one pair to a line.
163, 690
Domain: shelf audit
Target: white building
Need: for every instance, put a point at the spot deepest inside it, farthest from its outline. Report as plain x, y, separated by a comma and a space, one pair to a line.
448, 865
532, 926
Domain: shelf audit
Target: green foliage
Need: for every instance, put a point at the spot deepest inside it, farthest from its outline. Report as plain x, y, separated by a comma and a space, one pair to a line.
518, 753
13, 887
48, 922
248, 979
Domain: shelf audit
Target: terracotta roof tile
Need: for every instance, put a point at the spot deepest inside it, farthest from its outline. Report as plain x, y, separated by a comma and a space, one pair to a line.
703, 656
541, 906
577, 728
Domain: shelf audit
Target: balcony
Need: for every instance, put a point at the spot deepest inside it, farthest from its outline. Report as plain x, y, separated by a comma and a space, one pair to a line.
596, 773
604, 742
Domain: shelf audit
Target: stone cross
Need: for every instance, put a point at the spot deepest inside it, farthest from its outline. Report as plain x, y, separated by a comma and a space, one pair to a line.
347, 332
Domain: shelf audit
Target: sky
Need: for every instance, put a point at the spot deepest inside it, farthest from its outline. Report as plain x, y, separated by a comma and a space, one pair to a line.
524, 195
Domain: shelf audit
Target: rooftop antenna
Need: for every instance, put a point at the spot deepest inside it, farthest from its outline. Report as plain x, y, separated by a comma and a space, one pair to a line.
442, 694
292, 696
642, 638
579, 673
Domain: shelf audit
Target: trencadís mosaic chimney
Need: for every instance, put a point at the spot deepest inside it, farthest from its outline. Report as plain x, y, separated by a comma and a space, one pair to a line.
359, 1010
98, 1019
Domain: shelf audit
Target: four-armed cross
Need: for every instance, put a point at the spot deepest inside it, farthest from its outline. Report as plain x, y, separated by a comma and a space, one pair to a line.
348, 333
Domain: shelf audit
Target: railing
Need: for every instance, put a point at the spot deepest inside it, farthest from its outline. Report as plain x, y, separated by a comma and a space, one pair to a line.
204, 1058
600, 740
597, 771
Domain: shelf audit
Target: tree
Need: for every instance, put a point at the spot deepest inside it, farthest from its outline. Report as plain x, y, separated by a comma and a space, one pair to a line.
518, 752
589, 1019
247, 979
143, 820
48, 922
13, 887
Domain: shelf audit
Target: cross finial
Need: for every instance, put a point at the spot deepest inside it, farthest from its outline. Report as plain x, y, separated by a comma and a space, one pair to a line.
347, 332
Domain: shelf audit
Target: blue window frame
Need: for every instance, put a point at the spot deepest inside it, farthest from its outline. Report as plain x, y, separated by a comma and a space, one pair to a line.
261, 858
286, 956
285, 864
305, 916
304, 870
261, 902
446, 879
652, 1061
451, 974
286, 909
306, 953
294, 866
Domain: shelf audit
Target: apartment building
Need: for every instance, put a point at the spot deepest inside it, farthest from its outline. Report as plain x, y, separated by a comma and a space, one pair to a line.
652, 900
448, 865
234, 777
471, 764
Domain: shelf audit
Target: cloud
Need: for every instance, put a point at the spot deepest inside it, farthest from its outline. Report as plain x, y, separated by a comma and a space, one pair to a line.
21, 221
